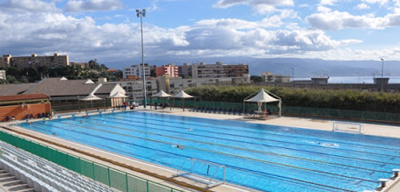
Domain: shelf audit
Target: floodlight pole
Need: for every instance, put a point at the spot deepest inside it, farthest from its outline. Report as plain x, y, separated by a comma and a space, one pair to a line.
142, 14
293, 75
382, 76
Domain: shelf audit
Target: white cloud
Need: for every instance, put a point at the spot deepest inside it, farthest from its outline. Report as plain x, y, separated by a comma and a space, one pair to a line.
306, 40
340, 20
362, 6
262, 6
381, 2
323, 9
28, 6
268, 22
392, 20
83, 39
328, 2
396, 7
234, 23
92, 5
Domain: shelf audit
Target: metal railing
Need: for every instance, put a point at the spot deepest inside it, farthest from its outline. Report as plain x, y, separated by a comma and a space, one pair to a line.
109, 176
306, 111
286, 110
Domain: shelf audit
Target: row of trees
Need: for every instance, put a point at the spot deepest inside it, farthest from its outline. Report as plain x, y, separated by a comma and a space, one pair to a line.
33, 74
315, 98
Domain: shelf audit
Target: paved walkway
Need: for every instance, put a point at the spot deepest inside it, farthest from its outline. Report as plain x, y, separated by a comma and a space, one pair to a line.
307, 123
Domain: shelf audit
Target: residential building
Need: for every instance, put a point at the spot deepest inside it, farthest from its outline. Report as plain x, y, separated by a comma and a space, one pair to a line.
83, 65
172, 85
137, 70
34, 60
274, 78
169, 69
134, 88
3, 75
185, 71
218, 70
175, 85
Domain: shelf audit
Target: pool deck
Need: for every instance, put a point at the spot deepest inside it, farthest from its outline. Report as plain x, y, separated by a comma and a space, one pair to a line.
306, 123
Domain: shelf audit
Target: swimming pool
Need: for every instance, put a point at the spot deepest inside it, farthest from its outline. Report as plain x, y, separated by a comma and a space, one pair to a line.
263, 157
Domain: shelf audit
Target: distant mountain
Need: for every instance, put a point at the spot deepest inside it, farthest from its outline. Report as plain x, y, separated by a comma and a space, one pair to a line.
319, 67
302, 67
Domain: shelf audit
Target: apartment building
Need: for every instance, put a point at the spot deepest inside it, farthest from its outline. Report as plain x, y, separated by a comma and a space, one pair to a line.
172, 85
137, 70
169, 69
185, 71
134, 88
268, 77
175, 85
34, 60
82, 65
218, 70
3, 75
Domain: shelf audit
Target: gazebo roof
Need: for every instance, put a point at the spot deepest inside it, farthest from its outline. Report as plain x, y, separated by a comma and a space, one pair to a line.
182, 94
262, 96
162, 94
118, 95
91, 97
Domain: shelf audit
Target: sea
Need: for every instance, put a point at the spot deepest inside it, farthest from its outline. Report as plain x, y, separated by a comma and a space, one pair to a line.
354, 79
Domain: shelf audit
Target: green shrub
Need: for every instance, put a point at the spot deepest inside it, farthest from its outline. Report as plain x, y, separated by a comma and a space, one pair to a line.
297, 97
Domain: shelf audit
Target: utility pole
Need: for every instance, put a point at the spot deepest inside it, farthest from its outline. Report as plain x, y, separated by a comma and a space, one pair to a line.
142, 14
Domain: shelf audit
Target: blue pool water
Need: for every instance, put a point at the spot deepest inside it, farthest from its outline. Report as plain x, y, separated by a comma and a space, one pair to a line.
263, 157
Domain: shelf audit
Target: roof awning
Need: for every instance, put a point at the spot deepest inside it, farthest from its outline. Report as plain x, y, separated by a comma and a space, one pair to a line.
118, 95
263, 97
162, 94
91, 97
182, 94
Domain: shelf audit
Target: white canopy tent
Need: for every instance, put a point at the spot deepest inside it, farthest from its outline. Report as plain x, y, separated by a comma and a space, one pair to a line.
162, 95
91, 97
182, 95
264, 96
118, 95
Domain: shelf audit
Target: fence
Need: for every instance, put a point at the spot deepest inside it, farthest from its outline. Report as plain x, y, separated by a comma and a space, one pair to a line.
80, 106
305, 111
287, 110
343, 114
109, 176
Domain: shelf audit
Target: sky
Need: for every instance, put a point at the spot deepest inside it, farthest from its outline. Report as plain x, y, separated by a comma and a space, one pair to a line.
190, 30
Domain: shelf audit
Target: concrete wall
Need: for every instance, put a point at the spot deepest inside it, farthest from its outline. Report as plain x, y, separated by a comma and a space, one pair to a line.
20, 112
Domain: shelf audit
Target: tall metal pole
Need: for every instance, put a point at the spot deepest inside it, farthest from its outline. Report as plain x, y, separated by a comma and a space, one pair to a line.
382, 76
292, 74
142, 14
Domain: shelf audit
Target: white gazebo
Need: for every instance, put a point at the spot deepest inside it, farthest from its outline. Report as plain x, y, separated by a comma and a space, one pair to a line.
263, 97
118, 95
182, 95
162, 95
91, 97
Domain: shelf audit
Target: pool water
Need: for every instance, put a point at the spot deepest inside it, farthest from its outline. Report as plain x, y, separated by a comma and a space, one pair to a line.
262, 157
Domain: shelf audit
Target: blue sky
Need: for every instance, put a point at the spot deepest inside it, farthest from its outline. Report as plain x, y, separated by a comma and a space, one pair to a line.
187, 30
